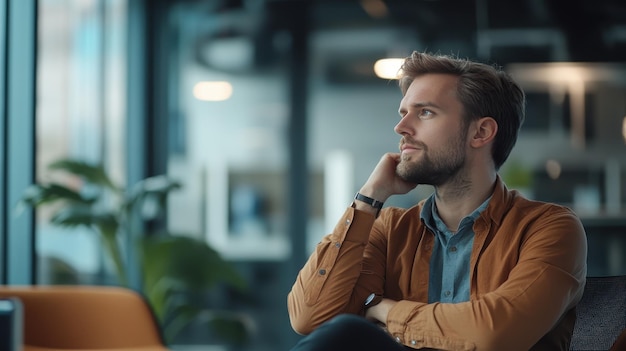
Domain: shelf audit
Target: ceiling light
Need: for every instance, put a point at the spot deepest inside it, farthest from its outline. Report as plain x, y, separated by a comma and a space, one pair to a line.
213, 91
388, 68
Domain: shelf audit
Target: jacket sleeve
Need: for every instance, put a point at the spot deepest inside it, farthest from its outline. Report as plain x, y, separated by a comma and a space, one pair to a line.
333, 280
547, 281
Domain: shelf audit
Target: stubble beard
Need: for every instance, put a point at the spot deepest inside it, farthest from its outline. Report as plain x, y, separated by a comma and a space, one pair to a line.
435, 168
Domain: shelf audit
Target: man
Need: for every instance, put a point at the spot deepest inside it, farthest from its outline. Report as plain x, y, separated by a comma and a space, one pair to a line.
473, 267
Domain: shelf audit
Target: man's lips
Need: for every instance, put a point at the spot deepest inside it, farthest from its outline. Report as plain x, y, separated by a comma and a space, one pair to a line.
409, 148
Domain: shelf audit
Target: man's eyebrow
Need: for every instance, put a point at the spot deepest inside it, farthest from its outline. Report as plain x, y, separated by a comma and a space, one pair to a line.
425, 104
421, 105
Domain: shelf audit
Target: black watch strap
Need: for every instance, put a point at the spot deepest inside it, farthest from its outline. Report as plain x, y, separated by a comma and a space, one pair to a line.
368, 200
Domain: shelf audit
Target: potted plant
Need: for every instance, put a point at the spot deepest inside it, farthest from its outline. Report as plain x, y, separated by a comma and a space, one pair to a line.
173, 267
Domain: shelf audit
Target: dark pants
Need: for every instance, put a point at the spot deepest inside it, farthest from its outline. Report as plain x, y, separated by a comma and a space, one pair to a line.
348, 332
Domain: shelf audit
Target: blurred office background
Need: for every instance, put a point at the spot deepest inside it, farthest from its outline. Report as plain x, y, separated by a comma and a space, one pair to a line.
271, 116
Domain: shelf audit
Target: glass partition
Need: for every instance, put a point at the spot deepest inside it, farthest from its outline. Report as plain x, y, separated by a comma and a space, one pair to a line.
80, 116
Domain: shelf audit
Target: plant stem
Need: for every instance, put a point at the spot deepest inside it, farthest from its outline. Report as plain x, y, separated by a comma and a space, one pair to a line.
111, 245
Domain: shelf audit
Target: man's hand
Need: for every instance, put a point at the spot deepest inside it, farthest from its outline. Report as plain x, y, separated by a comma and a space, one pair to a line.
379, 312
384, 181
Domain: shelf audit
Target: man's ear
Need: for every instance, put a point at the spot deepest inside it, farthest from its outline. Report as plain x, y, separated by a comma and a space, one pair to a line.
484, 131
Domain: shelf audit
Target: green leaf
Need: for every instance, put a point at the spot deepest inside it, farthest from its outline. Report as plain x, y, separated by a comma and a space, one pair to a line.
76, 215
179, 316
94, 174
36, 195
151, 193
160, 294
192, 262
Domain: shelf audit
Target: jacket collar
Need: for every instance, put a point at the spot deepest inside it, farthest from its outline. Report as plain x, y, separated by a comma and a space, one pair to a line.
500, 202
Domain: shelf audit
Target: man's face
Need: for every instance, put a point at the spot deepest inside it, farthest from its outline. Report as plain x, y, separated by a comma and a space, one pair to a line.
433, 144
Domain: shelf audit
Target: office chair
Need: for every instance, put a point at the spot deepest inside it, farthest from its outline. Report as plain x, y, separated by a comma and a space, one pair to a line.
86, 317
601, 314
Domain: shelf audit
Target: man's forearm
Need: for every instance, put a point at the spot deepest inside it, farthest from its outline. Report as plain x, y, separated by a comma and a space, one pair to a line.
326, 284
380, 311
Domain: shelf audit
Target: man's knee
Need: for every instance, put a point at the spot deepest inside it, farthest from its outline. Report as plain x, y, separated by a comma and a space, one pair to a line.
348, 332
349, 322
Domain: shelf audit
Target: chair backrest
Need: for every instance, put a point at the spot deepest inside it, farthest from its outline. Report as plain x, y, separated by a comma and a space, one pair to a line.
601, 313
86, 317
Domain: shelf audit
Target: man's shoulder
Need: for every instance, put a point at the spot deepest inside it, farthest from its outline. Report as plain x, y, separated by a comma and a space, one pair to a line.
511, 211
527, 213
538, 207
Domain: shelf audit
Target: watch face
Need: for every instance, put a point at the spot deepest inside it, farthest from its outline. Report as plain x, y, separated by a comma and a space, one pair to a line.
369, 299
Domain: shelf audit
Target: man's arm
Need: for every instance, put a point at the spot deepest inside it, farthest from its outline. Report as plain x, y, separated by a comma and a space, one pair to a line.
544, 285
332, 280
326, 285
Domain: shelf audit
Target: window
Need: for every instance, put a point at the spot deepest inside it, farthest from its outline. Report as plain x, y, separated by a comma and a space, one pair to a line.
80, 115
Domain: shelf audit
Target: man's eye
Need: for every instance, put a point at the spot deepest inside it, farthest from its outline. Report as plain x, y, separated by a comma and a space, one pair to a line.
426, 113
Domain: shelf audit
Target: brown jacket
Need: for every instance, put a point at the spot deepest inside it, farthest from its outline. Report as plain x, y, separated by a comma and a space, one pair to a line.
527, 272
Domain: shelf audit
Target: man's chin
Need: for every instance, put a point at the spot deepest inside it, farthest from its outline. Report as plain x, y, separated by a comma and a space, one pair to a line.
407, 164
404, 159
403, 170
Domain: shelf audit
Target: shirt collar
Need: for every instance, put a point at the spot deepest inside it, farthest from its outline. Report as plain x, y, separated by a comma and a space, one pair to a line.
431, 218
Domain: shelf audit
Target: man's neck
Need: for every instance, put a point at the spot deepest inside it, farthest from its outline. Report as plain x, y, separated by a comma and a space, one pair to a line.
457, 199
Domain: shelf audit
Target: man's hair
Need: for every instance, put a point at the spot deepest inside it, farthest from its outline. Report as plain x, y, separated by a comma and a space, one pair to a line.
484, 91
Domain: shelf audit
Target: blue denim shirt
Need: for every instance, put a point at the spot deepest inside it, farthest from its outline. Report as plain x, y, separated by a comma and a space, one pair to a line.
450, 260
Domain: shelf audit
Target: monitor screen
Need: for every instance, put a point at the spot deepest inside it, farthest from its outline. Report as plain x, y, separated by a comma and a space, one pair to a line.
11, 324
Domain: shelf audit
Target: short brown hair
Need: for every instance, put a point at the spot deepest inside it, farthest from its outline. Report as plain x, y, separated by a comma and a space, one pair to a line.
484, 90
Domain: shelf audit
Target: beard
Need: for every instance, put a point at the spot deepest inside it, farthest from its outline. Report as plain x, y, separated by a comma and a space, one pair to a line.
435, 167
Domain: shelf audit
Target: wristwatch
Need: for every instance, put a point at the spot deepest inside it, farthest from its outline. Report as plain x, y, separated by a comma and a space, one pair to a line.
373, 300
372, 202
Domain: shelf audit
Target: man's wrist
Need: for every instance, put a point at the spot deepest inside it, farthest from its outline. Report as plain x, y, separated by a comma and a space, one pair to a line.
371, 205
369, 200
380, 310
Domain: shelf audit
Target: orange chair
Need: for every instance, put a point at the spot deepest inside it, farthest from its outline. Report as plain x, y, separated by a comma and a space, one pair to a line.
86, 318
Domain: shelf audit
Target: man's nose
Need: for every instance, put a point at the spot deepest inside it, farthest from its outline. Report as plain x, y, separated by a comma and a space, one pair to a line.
402, 127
